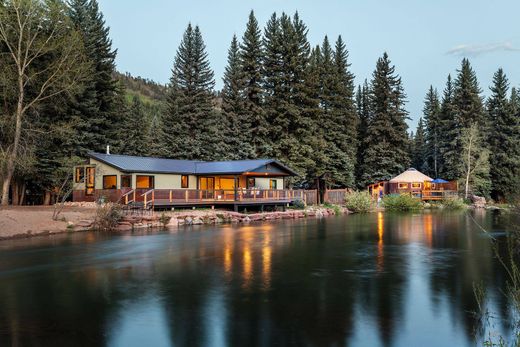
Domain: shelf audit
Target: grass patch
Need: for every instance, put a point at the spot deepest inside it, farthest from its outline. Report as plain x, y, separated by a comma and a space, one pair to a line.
360, 202
403, 202
454, 204
335, 208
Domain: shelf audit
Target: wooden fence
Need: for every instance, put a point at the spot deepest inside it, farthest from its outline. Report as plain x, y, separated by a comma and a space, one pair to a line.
335, 196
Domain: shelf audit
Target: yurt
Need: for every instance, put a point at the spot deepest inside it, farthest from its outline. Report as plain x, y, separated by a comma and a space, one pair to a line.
411, 181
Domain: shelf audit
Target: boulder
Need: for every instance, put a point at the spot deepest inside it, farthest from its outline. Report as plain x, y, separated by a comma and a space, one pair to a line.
197, 221
246, 219
478, 201
188, 221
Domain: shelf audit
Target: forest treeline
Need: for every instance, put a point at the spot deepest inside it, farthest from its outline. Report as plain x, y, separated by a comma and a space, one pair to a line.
281, 98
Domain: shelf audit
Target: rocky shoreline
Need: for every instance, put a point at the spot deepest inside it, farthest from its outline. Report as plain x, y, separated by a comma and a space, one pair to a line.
207, 217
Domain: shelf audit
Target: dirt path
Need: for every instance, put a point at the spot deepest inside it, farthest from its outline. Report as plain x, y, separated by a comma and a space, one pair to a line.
23, 221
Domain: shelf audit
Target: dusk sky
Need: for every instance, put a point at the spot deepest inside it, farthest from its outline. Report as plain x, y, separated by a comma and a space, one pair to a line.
425, 40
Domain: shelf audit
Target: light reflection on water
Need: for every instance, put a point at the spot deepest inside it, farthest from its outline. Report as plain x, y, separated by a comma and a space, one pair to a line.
362, 280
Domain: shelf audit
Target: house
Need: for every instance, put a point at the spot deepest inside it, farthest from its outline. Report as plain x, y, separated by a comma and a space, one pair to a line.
167, 183
417, 184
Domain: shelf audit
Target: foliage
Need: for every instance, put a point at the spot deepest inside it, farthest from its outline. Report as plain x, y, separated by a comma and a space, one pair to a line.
164, 219
475, 158
334, 207
401, 202
454, 204
299, 204
504, 141
420, 148
433, 135
107, 216
359, 201
387, 143
190, 121
43, 56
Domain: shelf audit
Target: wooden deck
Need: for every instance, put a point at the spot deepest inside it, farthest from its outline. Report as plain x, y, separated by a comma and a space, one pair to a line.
165, 198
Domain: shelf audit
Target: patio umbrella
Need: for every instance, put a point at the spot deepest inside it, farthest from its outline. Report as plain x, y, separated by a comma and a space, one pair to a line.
439, 180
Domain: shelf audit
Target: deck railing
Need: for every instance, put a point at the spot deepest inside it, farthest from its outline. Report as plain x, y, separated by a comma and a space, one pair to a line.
164, 196
438, 194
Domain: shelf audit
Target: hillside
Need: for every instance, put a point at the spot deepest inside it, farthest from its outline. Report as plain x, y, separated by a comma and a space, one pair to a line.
148, 91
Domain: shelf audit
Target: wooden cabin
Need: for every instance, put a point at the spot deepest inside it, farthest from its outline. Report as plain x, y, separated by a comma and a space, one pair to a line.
417, 184
162, 182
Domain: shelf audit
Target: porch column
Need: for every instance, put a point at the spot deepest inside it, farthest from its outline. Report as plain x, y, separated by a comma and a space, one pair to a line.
236, 187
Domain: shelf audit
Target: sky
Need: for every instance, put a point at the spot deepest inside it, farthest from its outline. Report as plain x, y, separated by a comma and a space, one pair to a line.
425, 39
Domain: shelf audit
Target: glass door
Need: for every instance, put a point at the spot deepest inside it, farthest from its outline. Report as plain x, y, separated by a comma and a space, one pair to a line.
207, 187
90, 181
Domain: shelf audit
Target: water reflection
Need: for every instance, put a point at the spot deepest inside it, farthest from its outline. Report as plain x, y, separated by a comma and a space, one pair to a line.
378, 279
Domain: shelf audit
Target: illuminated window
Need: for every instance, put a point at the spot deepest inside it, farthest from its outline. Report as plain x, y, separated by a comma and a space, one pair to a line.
80, 174
403, 185
110, 182
144, 182
273, 184
416, 185
126, 181
91, 180
185, 183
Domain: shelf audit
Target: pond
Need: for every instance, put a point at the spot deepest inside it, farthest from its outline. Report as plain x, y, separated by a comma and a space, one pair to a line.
380, 279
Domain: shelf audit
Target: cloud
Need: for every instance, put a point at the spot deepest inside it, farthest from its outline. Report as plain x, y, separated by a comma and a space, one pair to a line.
476, 50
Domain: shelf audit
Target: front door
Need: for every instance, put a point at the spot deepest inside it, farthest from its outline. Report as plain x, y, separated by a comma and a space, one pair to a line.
207, 187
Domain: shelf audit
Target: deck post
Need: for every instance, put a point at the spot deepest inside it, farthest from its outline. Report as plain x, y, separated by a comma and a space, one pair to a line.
236, 188
186, 195
134, 196
171, 195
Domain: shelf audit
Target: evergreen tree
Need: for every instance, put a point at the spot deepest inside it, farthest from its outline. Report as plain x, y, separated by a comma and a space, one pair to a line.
468, 112
363, 112
504, 139
448, 149
251, 63
387, 141
433, 135
233, 106
97, 113
419, 148
135, 128
190, 123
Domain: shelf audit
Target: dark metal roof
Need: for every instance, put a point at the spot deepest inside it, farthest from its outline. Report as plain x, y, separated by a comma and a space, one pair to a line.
130, 163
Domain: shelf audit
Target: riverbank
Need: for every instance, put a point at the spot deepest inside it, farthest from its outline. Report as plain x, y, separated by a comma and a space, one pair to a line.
28, 221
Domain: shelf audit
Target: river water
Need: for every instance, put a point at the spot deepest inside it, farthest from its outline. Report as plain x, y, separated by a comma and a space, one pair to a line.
380, 279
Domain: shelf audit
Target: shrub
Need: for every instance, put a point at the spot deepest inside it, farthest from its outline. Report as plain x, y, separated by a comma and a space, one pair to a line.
107, 216
454, 203
358, 201
403, 202
298, 204
335, 208
164, 219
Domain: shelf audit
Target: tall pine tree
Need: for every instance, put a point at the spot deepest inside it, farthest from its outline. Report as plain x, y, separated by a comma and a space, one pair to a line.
233, 106
190, 123
387, 141
363, 112
432, 132
419, 148
251, 63
504, 139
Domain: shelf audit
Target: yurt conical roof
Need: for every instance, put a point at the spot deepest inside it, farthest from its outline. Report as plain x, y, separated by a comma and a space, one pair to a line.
410, 175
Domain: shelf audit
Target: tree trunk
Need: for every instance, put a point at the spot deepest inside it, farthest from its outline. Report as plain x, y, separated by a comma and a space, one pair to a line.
15, 196
468, 173
22, 193
13, 153
47, 198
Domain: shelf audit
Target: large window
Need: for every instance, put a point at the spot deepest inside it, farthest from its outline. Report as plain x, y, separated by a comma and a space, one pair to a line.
110, 182
403, 185
126, 181
185, 182
251, 182
144, 182
416, 186
80, 175
273, 184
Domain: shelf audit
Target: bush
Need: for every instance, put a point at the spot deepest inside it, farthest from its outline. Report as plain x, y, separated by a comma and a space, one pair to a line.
358, 202
164, 219
298, 204
454, 204
403, 202
107, 216
335, 208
